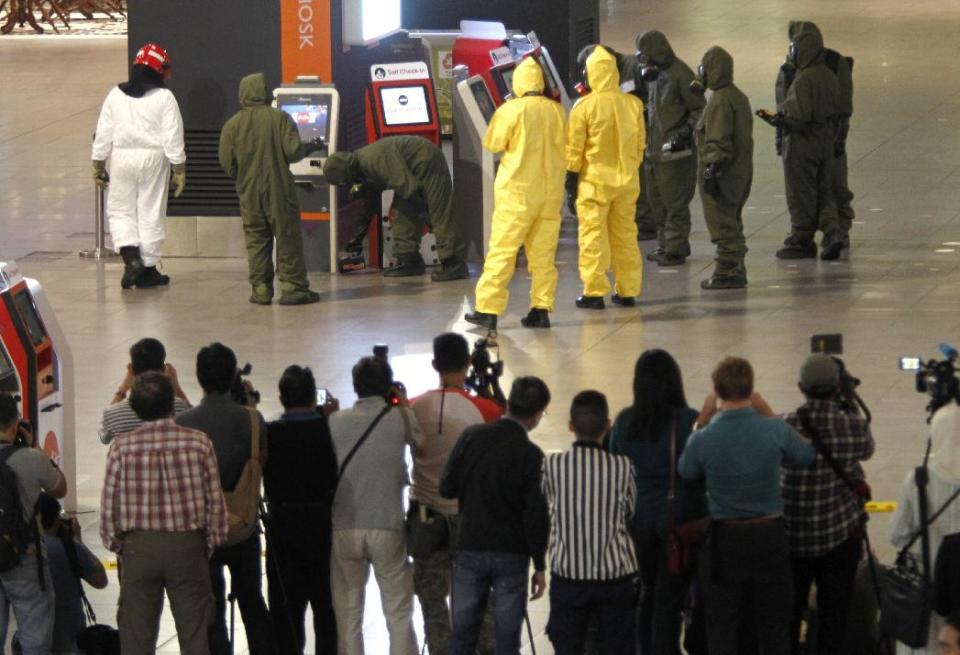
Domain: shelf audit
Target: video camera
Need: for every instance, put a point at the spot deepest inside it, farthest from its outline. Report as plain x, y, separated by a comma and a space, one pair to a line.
485, 373
937, 378
242, 390
397, 389
850, 401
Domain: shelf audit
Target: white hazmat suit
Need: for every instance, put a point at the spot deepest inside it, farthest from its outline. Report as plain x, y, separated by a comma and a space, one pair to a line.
141, 137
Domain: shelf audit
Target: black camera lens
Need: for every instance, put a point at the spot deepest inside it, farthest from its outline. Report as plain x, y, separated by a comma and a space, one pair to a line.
381, 350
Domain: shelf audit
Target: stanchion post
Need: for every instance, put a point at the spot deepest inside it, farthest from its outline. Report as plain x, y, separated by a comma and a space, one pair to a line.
99, 251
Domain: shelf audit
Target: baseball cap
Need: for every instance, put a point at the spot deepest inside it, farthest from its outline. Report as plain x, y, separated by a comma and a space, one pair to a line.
820, 371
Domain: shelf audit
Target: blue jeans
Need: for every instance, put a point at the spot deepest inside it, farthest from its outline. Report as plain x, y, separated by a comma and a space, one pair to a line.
32, 606
475, 575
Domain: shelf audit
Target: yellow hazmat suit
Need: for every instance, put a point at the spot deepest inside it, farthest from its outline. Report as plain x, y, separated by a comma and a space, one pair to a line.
528, 192
605, 141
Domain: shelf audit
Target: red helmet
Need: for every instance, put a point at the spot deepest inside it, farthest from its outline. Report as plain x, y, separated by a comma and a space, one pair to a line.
154, 56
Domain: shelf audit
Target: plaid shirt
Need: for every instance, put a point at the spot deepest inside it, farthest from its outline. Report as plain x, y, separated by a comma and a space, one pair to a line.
820, 509
162, 478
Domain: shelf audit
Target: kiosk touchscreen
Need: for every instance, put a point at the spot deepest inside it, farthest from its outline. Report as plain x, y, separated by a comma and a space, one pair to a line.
502, 76
315, 109
474, 168
405, 105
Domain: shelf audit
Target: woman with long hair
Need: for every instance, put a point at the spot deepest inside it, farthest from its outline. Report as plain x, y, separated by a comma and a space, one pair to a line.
644, 432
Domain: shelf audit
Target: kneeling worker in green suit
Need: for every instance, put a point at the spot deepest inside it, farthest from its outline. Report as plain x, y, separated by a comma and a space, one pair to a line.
257, 146
416, 170
724, 139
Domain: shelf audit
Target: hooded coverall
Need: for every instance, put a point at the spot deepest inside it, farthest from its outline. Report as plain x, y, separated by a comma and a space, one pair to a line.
842, 67
257, 146
605, 138
417, 172
810, 111
142, 137
671, 177
528, 193
725, 138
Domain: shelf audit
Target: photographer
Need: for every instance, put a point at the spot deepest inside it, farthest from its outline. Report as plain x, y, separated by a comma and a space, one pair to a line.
825, 519
944, 481
229, 427
70, 562
299, 481
370, 440
145, 355
443, 414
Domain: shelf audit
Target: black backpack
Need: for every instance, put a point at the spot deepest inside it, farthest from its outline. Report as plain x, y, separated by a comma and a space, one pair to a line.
16, 534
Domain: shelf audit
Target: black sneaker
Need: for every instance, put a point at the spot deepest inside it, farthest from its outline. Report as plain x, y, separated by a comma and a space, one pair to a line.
590, 302
723, 282
537, 318
484, 320
407, 268
831, 252
151, 277
653, 255
452, 269
797, 251
667, 259
132, 266
623, 301
300, 298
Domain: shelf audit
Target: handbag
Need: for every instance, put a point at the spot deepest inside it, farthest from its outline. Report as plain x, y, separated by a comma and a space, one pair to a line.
682, 541
907, 598
243, 501
427, 531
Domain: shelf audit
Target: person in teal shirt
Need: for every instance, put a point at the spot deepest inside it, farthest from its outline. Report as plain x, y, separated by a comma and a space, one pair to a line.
643, 433
738, 453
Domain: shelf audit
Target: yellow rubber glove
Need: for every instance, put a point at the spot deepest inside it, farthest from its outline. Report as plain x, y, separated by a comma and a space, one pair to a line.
100, 175
179, 179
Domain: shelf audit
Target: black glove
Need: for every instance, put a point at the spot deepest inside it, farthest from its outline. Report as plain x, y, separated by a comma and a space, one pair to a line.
313, 145
775, 120
840, 145
711, 180
570, 185
682, 140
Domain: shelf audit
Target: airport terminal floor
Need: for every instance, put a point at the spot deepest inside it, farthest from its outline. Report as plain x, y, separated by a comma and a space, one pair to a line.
896, 292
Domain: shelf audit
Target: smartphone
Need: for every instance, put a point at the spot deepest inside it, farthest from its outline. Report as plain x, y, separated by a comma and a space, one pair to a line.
910, 363
829, 344
323, 396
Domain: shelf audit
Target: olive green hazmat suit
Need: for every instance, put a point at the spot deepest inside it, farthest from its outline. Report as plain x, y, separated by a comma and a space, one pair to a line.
672, 110
842, 67
257, 145
725, 139
416, 170
528, 193
810, 111
605, 139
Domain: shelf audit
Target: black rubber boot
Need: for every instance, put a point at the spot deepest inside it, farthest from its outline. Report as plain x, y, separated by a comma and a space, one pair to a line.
452, 269
669, 259
623, 301
307, 297
723, 282
151, 277
590, 302
132, 266
407, 268
654, 255
536, 318
484, 320
831, 252
798, 251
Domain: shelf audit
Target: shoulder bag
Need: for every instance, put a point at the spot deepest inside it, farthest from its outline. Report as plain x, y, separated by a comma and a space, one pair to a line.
243, 502
682, 541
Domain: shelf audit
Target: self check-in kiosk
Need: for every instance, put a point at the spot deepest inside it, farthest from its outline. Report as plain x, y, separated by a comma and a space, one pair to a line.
474, 168
36, 366
315, 109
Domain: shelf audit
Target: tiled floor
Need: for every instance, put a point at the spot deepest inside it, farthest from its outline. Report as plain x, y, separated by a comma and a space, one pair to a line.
896, 293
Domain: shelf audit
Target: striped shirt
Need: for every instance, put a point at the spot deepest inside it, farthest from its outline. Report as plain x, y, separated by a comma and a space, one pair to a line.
120, 418
162, 478
591, 494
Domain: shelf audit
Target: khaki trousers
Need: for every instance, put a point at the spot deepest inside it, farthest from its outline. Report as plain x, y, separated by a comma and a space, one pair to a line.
154, 562
353, 553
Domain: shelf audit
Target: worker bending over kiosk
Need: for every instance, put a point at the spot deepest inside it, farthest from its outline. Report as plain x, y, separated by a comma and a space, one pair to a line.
529, 131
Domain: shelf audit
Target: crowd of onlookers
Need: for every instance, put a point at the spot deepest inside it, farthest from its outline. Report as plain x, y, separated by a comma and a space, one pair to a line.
662, 526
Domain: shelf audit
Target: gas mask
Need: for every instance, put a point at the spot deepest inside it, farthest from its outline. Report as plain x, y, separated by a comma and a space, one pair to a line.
698, 86
583, 87
649, 71
792, 54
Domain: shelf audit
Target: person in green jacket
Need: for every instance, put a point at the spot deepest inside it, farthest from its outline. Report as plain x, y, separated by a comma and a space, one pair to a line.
725, 146
673, 111
417, 172
842, 67
808, 118
257, 146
